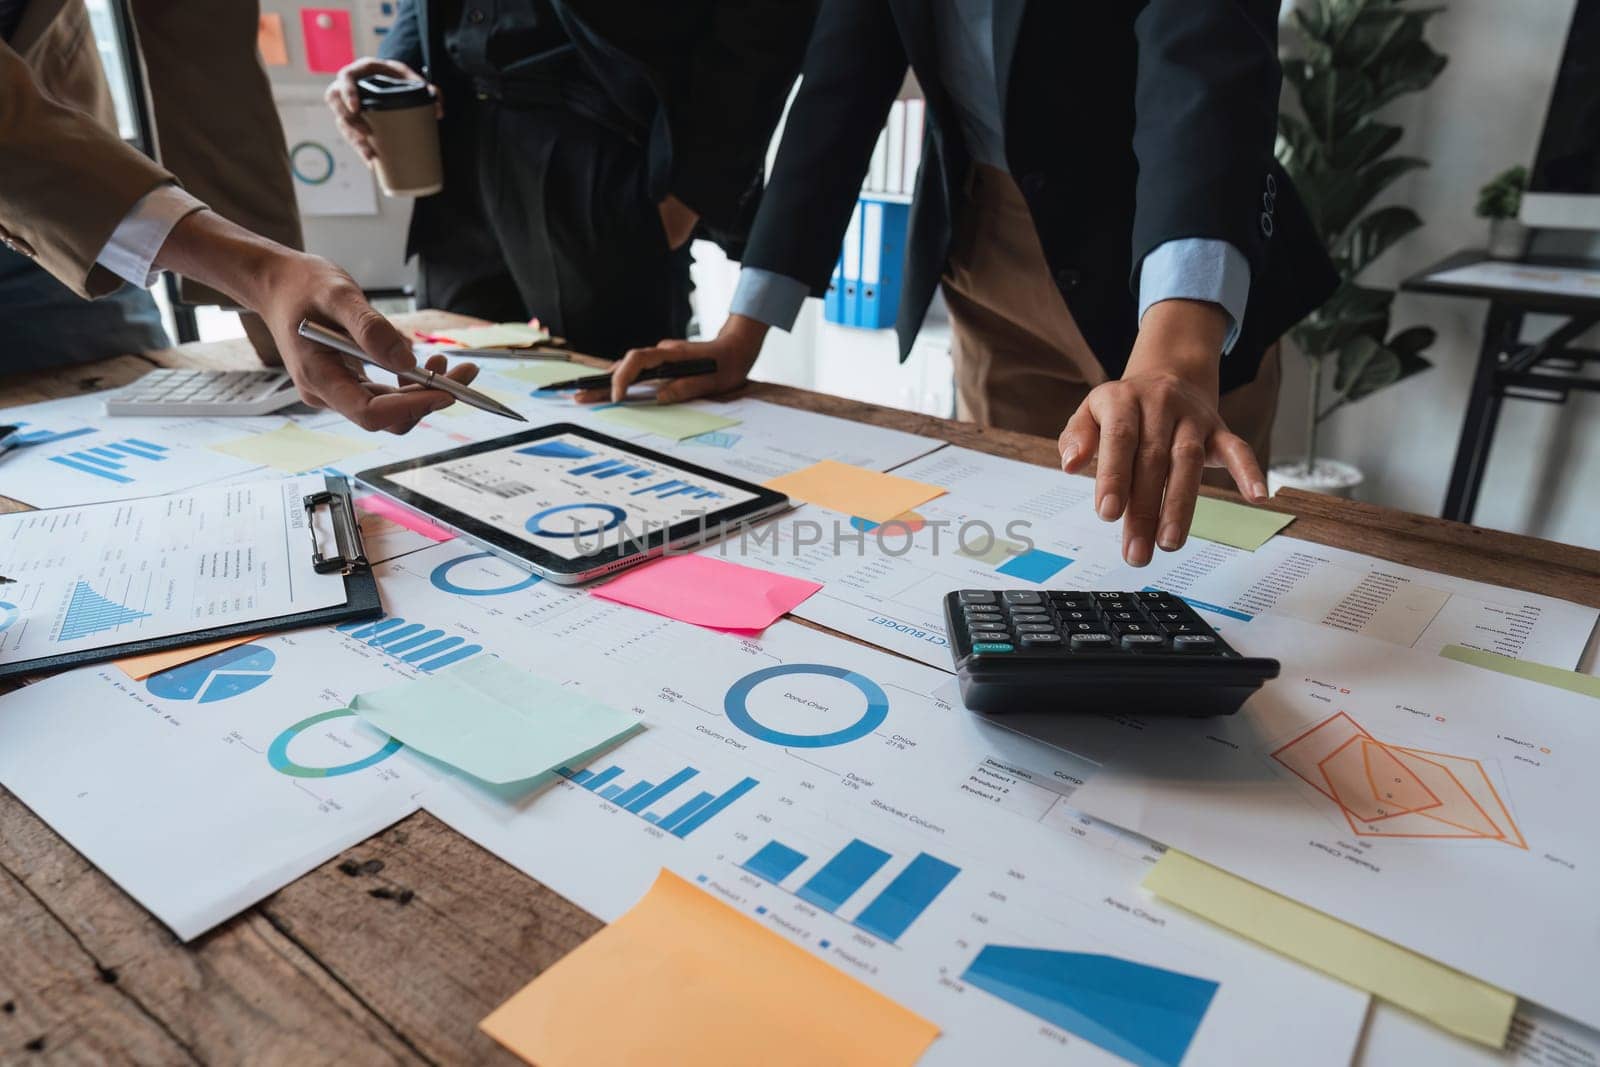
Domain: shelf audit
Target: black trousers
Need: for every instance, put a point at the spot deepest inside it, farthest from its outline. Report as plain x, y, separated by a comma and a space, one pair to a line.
545, 213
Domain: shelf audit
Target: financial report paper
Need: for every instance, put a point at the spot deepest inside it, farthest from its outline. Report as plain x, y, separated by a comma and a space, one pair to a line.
109, 574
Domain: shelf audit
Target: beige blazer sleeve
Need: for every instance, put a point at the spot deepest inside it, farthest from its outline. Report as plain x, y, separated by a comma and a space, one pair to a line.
65, 181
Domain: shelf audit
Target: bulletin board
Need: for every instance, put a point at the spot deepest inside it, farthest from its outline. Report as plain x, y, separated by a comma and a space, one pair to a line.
345, 216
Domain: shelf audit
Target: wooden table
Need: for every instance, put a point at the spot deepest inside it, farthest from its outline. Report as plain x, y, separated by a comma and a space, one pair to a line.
324, 970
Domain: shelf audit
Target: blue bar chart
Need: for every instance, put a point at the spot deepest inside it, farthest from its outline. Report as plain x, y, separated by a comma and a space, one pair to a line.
890, 913
115, 462
641, 796
412, 642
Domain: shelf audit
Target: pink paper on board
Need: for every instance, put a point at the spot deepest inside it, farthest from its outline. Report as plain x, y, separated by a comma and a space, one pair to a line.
385, 508
709, 592
329, 44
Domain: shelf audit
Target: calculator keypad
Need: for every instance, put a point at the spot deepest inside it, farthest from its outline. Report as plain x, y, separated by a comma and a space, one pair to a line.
1075, 622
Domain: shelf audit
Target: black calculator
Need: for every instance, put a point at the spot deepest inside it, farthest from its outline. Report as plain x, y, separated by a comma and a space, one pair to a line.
1094, 653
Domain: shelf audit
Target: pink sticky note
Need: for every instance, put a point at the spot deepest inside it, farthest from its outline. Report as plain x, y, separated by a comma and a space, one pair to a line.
709, 592
385, 508
329, 45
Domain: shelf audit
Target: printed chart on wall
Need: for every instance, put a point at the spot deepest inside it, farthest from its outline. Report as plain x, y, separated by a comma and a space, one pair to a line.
1000, 524
833, 792
1414, 804
330, 177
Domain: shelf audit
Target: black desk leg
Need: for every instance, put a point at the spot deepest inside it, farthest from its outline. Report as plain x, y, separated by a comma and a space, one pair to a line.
1483, 411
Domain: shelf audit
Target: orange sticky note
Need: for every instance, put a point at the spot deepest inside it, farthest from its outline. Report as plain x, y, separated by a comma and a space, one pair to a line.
865, 494
400, 515
709, 592
141, 667
270, 41
684, 978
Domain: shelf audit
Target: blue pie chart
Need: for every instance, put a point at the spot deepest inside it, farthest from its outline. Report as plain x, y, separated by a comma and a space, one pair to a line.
736, 705
8, 615
536, 526
229, 673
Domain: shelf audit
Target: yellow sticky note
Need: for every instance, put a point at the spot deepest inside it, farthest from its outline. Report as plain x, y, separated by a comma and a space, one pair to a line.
856, 491
541, 373
1236, 524
270, 40
291, 448
1572, 681
141, 667
499, 335
673, 421
1445, 997
684, 978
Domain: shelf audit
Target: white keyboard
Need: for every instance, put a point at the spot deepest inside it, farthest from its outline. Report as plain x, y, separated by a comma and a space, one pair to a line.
204, 392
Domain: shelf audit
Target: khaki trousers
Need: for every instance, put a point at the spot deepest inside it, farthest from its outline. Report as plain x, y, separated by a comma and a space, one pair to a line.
1020, 361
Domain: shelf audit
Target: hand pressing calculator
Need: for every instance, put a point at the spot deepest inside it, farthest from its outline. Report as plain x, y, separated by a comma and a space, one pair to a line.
1092, 653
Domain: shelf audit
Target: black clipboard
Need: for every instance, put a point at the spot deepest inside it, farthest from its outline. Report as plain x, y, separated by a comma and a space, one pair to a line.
349, 558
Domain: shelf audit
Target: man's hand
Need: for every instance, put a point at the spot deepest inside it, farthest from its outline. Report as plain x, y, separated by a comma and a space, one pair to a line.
283, 287
678, 221
344, 99
735, 350
1154, 431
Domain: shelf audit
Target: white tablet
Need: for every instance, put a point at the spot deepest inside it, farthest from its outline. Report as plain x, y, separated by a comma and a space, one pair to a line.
572, 504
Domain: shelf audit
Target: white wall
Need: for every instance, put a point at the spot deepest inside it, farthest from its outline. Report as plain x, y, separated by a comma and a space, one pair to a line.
1482, 114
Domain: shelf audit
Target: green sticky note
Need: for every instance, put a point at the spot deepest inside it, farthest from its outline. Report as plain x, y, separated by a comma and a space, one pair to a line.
499, 335
674, 421
495, 721
542, 372
1233, 524
1572, 681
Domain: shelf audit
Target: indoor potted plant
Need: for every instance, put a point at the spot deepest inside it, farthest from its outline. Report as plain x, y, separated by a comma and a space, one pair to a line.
1500, 201
1355, 57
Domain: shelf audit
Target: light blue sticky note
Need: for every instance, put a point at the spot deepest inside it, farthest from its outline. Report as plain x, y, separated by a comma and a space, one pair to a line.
495, 721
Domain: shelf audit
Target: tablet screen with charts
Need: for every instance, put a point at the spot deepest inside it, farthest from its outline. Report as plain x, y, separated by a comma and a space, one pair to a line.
570, 502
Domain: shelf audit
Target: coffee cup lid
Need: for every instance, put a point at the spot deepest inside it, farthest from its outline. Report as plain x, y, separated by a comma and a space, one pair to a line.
384, 92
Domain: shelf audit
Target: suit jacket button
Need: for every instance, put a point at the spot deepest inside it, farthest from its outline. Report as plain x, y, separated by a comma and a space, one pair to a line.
1266, 224
1068, 278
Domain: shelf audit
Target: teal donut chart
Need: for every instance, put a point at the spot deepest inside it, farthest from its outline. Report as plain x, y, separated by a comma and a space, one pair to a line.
738, 711
440, 578
278, 754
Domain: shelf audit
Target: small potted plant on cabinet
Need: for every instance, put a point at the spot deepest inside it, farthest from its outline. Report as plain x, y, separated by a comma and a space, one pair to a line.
1499, 202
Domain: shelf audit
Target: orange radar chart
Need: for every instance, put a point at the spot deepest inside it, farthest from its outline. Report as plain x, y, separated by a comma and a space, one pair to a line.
1388, 790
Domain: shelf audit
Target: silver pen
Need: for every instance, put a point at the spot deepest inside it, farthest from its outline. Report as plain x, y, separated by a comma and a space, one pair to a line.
340, 342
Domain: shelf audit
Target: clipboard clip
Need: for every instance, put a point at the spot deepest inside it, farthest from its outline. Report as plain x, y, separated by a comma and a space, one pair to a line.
352, 552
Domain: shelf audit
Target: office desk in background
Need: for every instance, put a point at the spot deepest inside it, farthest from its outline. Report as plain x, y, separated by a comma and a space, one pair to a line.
324, 971
1508, 367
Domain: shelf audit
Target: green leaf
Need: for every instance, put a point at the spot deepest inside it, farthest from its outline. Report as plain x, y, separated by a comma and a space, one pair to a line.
1352, 311
1364, 367
1410, 342
1344, 196
1363, 144
1371, 236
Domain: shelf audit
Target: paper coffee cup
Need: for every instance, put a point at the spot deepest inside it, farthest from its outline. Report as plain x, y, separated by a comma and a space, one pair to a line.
405, 134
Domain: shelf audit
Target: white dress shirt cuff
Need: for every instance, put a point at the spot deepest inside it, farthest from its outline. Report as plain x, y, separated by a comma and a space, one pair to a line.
767, 297
1196, 268
131, 252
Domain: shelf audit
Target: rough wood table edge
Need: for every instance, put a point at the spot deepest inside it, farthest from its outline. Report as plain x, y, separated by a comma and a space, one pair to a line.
326, 952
